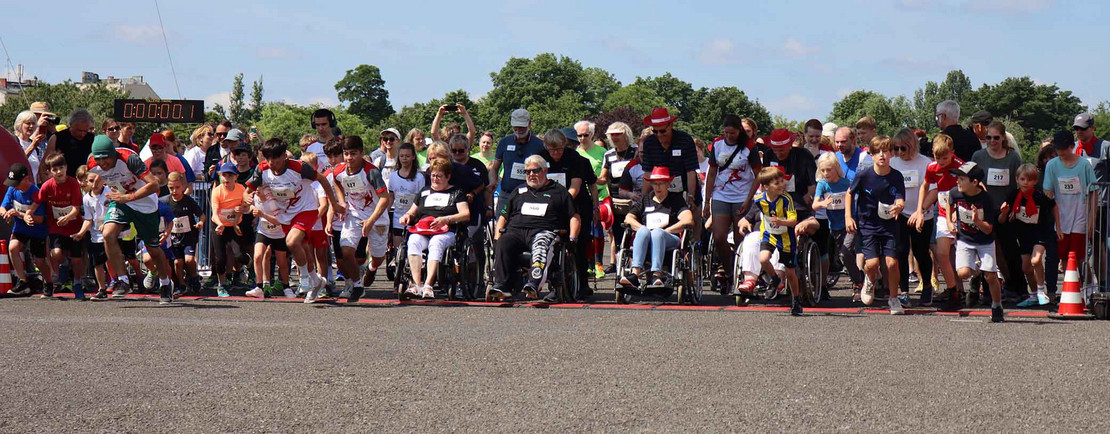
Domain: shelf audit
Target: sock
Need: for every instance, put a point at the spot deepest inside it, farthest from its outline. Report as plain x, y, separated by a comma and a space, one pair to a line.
304, 272
265, 283
164, 281
1041, 290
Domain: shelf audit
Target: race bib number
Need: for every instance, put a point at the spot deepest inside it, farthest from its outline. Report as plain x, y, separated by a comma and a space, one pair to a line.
967, 215
355, 184
229, 216
998, 177
534, 209
270, 227
676, 185
1069, 185
942, 199
404, 201
60, 211
790, 184
21, 207
771, 227
1024, 217
912, 178
837, 201
561, 178
281, 193
884, 211
439, 200
618, 169
657, 220
517, 171
181, 225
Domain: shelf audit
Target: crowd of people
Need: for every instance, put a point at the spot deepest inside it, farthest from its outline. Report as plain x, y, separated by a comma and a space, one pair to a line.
894, 211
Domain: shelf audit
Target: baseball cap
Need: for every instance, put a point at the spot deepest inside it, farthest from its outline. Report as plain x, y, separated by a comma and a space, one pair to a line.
16, 173
229, 167
829, 129
1084, 120
520, 118
981, 117
614, 129
234, 134
103, 147
970, 170
1063, 140
571, 135
392, 130
157, 139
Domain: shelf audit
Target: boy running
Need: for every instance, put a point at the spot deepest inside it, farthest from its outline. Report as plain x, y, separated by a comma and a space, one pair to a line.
970, 210
360, 186
1035, 219
29, 230
62, 197
878, 193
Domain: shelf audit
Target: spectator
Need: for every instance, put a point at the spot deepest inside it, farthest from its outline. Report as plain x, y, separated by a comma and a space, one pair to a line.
416, 137
485, 148
980, 120
201, 139
676, 150
31, 132
385, 157
1000, 162
852, 159
453, 128
948, 119
215, 154
75, 142
866, 129
323, 120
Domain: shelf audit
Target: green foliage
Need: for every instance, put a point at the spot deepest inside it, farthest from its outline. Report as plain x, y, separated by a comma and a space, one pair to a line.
63, 98
956, 87
891, 114
363, 89
239, 114
1101, 113
557, 91
291, 122
256, 100
675, 93
721, 101
640, 99
420, 115
1040, 109
779, 121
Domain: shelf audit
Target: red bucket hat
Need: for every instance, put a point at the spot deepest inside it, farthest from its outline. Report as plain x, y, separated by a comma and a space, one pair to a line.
659, 117
781, 138
424, 227
605, 213
659, 173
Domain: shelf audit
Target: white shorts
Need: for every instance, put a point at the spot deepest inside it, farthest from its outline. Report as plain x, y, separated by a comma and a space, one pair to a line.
749, 254
942, 229
351, 236
967, 255
436, 245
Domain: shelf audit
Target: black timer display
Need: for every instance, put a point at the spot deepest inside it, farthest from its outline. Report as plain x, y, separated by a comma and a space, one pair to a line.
187, 111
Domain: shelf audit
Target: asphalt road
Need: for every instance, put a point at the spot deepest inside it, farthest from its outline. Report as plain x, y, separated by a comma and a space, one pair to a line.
217, 366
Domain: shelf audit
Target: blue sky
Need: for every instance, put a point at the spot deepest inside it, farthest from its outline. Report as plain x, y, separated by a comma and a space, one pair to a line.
795, 57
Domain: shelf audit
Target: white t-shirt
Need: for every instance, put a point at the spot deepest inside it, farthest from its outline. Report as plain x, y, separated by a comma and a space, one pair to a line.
735, 181
404, 194
34, 159
321, 159
267, 229
126, 177
361, 190
913, 172
195, 157
321, 197
95, 207
292, 189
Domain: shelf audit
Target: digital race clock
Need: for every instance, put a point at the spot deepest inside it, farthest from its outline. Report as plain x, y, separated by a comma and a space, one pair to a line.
188, 111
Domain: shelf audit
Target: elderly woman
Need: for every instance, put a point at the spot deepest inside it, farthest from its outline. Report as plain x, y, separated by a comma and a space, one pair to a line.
436, 209
658, 219
31, 130
621, 152
916, 226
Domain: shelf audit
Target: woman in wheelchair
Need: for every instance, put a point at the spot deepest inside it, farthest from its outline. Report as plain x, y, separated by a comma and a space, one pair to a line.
435, 213
657, 219
534, 215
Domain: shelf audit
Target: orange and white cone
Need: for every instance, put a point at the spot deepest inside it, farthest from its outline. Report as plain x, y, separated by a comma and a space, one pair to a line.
5, 269
1071, 303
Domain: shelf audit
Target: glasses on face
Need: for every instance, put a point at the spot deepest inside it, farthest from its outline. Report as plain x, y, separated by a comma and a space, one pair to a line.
994, 137
221, 134
555, 150
659, 131
458, 151
210, 135
900, 149
112, 129
1081, 128
532, 171
583, 135
389, 139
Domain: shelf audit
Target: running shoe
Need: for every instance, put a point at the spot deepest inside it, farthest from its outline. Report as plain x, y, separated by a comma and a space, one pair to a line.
48, 290
913, 278
428, 293
495, 294
996, 314
221, 291
1043, 299
530, 292
21, 289
796, 307
599, 270
165, 295
289, 293
316, 284
904, 298
895, 306
356, 294
101, 294
256, 293
610, 269
119, 288
1030, 301
148, 280
867, 295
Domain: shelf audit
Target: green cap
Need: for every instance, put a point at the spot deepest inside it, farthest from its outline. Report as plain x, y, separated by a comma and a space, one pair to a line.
103, 147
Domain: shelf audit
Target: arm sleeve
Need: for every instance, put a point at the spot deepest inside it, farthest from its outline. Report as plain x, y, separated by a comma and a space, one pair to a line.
86, 210
637, 209
791, 212
500, 152
7, 203
137, 166
710, 152
306, 171
75, 193
822, 188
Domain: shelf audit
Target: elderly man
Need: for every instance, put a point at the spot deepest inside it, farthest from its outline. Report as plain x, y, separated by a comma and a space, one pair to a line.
1086, 144
964, 142
511, 151
75, 142
533, 215
229, 141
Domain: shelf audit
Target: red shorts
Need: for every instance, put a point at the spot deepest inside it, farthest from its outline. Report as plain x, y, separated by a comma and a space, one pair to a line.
1072, 243
304, 221
318, 239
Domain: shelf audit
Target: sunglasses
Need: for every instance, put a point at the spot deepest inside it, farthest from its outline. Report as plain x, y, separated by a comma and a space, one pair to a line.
112, 129
458, 151
900, 148
532, 171
556, 149
211, 135
658, 132
583, 135
994, 137
221, 134
1081, 128
389, 139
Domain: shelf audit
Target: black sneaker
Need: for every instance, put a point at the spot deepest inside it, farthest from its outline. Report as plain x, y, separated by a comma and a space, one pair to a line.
165, 294
954, 303
356, 294
610, 269
996, 314
368, 277
552, 297
21, 289
825, 296
119, 289
584, 294
495, 294
101, 294
926, 297
530, 292
48, 290
796, 307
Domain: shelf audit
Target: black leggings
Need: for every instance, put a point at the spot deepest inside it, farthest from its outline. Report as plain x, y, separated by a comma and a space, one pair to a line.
909, 238
221, 245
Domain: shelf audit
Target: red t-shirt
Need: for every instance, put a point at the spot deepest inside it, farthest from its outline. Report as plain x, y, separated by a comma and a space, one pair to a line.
58, 200
944, 180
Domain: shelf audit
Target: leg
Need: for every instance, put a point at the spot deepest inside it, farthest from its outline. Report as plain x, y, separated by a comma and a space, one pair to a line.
640, 245
892, 275
902, 254
944, 259
417, 245
722, 224
1027, 270
919, 243
658, 249
15, 254
261, 263
1036, 262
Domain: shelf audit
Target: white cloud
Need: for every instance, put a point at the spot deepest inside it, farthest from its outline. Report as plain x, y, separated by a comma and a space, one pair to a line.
138, 34
272, 53
797, 49
222, 98
720, 51
792, 103
322, 101
841, 93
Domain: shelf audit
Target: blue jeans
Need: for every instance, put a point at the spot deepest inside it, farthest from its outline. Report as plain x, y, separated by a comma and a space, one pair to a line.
659, 240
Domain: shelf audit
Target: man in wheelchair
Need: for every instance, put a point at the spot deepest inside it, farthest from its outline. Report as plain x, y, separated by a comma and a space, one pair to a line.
533, 216
434, 217
657, 220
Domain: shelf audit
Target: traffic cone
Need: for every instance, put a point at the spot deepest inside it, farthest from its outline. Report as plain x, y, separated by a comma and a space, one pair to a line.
5, 269
1071, 304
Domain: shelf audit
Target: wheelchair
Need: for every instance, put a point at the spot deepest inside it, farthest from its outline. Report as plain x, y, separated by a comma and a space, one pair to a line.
448, 275
686, 267
478, 255
562, 273
807, 267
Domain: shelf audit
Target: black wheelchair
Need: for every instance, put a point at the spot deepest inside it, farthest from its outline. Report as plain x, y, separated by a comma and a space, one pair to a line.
561, 270
686, 271
807, 266
449, 274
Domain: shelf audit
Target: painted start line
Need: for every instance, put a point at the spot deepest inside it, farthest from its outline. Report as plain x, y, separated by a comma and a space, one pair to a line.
596, 306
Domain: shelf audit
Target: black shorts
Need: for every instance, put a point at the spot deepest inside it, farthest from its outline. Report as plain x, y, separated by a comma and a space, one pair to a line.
35, 246
97, 254
823, 237
182, 250
277, 244
128, 248
336, 249
879, 245
786, 258
67, 245
1027, 239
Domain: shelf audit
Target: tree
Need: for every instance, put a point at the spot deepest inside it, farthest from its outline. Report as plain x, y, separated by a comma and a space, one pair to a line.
1040, 109
620, 114
363, 89
549, 87
956, 87
675, 93
719, 102
890, 114
239, 114
64, 98
256, 100
420, 115
290, 122
640, 99
780, 121
1101, 113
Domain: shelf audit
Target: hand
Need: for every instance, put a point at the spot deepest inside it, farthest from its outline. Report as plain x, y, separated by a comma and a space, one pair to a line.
220, 229
1059, 234
120, 198
705, 212
29, 219
256, 212
78, 236
244, 208
162, 239
340, 209
405, 220
951, 226
777, 221
462, 109
253, 136
896, 209
442, 109
198, 225
36, 138
439, 222
744, 226
850, 225
367, 225
9, 215
238, 231
65, 220
916, 220
1004, 208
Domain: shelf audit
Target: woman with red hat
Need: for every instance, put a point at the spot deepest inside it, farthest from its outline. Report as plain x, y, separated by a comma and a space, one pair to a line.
674, 150
658, 219
435, 210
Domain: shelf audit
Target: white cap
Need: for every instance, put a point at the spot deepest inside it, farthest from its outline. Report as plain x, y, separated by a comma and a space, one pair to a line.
392, 131
613, 129
829, 129
520, 118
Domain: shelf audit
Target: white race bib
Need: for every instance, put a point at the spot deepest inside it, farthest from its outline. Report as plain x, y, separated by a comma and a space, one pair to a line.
790, 184
229, 216
771, 227
618, 169
676, 185
942, 199
1024, 217
269, 227
998, 177
404, 201
837, 201
355, 184
912, 178
561, 178
966, 215
534, 209
676, 153
657, 220
116, 186
21, 207
1069, 185
281, 193
60, 211
884, 211
437, 200
517, 171
181, 225
510, 148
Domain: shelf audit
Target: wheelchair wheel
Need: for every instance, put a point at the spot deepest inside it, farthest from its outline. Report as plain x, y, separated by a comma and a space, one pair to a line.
809, 271
835, 268
391, 260
690, 289
568, 271
401, 275
624, 261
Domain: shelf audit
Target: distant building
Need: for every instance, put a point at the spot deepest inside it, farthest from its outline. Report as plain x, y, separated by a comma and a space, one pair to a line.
15, 86
135, 87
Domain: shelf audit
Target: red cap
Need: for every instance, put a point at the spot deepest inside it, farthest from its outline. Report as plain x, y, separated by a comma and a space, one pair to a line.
157, 139
659, 173
659, 117
780, 138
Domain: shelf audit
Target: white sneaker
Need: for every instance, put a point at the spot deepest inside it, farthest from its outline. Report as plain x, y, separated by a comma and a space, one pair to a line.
895, 306
867, 295
256, 293
315, 285
428, 293
290, 293
414, 291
